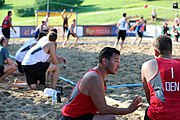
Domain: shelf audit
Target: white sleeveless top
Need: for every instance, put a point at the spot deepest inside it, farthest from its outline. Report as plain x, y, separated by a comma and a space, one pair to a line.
123, 24
36, 54
21, 52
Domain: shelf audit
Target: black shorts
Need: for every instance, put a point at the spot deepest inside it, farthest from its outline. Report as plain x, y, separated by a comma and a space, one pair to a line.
84, 117
153, 17
20, 68
6, 32
139, 34
73, 34
1, 70
65, 29
146, 117
36, 72
121, 34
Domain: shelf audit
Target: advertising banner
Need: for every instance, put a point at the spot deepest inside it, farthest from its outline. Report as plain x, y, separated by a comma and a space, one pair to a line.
97, 31
27, 31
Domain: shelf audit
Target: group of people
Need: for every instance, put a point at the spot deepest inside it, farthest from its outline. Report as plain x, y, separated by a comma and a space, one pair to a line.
70, 30
35, 58
160, 77
174, 31
139, 27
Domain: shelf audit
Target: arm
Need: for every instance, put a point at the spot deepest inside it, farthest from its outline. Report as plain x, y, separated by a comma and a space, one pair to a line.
70, 14
10, 22
144, 82
50, 49
62, 14
97, 95
129, 17
71, 28
61, 59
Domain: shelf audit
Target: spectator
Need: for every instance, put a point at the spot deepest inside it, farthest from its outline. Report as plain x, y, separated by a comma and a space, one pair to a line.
176, 20
10, 67
175, 5
154, 15
166, 30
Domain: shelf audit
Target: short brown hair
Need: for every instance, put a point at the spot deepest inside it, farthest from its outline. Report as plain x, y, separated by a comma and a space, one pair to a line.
52, 36
163, 44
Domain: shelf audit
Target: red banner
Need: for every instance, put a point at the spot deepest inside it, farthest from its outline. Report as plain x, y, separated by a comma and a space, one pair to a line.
97, 31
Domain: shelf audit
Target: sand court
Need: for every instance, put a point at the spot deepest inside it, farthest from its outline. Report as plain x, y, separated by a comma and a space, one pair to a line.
23, 104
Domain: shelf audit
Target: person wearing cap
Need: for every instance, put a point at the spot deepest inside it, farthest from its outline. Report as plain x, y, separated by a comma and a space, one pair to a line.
10, 67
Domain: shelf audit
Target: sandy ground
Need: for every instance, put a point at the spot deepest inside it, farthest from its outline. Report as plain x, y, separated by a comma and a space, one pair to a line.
23, 104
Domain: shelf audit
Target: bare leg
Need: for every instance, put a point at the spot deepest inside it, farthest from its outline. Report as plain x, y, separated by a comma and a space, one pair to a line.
75, 41
9, 69
55, 69
64, 43
134, 41
139, 41
63, 35
122, 43
116, 42
17, 83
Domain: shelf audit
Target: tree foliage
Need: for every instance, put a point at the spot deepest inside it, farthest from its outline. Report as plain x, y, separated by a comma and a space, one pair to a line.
2, 2
56, 5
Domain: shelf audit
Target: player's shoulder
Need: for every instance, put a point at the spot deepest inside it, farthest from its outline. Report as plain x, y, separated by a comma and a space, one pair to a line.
149, 63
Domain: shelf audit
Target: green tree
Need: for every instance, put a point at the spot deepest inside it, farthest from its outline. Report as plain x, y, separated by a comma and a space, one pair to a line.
57, 4
2, 2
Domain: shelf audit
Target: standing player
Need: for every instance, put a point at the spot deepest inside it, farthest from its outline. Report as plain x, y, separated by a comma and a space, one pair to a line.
46, 19
65, 21
161, 78
6, 25
72, 31
122, 26
139, 32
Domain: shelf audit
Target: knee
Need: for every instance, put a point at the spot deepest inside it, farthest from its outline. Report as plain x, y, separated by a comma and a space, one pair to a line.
33, 86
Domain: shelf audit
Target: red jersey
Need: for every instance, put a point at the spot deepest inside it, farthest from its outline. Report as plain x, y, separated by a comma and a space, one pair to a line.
79, 104
6, 23
165, 91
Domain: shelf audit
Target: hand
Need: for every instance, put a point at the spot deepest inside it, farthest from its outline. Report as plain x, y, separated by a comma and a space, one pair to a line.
135, 104
61, 59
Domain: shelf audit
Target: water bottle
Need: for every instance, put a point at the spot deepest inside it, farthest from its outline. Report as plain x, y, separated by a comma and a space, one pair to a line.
53, 99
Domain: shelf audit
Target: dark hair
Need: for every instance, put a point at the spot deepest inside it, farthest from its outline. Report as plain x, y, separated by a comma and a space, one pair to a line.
54, 30
2, 38
124, 14
163, 44
52, 36
9, 12
107, 53
74, 20
41, 34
